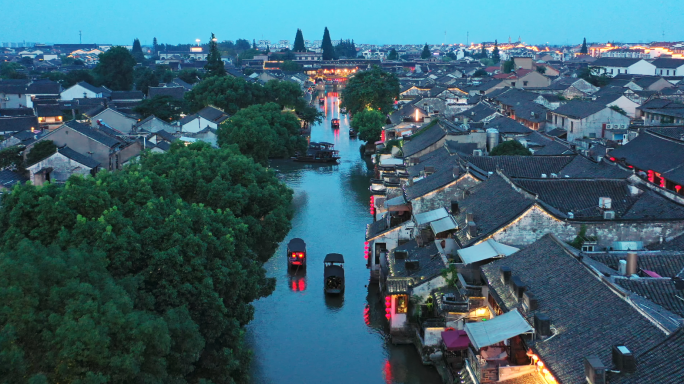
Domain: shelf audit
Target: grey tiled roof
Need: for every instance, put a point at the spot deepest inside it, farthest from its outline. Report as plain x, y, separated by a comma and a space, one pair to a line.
544, 146
579, 109
464, 149
581, 197
614, 62
48, 110
127, 95
175, 92
442, 176
659, 291
93, 134
581, 167
587, 316
424, 139
650, 151
668, 63
377, 227
506, 125
521, 166
429, 261
494, 203
79, 158
8, 178
675, 244
664, 263
437, 158
15, 124
662, 364
477, 113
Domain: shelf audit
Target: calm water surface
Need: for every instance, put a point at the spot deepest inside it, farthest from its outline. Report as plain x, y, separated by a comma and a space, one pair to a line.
299, 335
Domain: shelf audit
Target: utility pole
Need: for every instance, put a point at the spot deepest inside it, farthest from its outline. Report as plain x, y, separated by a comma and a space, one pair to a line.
80, 37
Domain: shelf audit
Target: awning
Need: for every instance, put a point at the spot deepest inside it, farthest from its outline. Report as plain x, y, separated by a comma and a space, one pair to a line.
443, 225
455, 340
498, 329
485, 250
397, 204
391, 161
427, 217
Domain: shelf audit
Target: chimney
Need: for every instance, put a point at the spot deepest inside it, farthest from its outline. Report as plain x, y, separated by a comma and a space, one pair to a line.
632, 263
456, 172
634, 190
472, 229
505, 275
623, 359
454, 207
410, 181
469, 216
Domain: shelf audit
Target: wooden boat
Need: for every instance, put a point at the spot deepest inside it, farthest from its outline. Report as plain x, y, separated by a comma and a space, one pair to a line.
333, 273
352, 132
335, 123
319, 153
321, 101
296, 253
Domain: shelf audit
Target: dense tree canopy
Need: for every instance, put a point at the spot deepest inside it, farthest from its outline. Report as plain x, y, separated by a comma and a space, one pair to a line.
145, 275
369, 124
115, 69
242, 45
374, 88
164, 107
496, 56
40, 151
263, 132
291, 66
231, 94
510, 147
584, 50
299, 42
346, 48
393, 55
10, 70
190, 76
214, 66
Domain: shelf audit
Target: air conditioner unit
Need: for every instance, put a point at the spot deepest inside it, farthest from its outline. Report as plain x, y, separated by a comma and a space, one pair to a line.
609, 215
477, 152
6, 98
594, 370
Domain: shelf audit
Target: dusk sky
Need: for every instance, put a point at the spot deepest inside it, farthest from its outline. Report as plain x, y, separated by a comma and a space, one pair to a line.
377, 22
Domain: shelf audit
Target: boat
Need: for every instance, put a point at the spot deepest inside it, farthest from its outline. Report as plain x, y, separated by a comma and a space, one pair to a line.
296, 253
333, 273
321, 100
319, 153
335, 123
352, 132
343, 110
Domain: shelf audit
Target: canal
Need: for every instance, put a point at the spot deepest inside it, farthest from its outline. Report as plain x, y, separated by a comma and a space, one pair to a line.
299, 335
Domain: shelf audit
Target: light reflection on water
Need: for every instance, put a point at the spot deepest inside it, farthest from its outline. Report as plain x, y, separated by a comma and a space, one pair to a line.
300, 335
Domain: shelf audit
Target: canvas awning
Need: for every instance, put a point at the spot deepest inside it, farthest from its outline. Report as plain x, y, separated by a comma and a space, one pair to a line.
442, 225
391, 161
485, 250
498, 329
427, 217
455, 340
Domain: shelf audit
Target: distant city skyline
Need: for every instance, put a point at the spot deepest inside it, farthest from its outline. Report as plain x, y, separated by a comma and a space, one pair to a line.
398, 22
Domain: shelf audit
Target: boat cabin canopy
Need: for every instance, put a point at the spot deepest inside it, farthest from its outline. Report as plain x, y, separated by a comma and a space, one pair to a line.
296, 245
333, 258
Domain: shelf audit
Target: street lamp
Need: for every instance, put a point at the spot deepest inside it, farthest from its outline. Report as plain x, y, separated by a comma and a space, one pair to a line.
198, 41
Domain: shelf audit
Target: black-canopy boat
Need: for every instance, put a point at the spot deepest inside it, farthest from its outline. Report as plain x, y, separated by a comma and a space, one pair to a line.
335, 123
333, 273
319, 153
296, 253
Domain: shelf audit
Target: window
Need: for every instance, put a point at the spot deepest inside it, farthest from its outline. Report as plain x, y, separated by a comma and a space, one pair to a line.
401, 304
513, 84
572, 126
524, 83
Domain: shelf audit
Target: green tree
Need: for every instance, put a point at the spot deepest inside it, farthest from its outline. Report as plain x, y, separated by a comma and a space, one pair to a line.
508, 66
214, 66
510, 148
228, 93
426, 52
373, 88
496, 56
393, 55
326, 45
162, 311
155, 47
254, 46
480, 73
290, 66
144, 78
594, 77
42, 150
263, 131
483, 52
115, 69
369, 125
345, 48
242, 45
10, 70
584, 50
190, 76
137, 52
11, 157
541, 69
75, 77
247, 55
299, 42
164, 107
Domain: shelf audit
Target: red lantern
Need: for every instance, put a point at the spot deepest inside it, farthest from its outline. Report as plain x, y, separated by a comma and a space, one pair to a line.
388, 316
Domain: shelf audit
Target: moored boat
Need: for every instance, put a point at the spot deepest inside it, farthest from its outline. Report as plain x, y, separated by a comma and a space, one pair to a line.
335, 123
319, 153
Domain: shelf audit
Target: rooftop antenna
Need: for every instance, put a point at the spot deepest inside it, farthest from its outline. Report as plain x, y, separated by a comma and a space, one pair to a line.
80, 37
